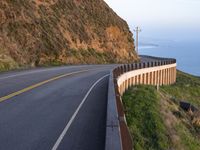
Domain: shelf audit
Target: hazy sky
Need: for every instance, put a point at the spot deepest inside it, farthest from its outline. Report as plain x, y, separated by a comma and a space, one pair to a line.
170, 18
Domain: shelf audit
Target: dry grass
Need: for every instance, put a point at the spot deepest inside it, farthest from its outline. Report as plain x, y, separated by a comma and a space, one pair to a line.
157, 115
43, 32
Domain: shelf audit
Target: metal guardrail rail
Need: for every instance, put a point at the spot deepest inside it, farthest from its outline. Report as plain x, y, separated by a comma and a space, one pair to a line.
118, 136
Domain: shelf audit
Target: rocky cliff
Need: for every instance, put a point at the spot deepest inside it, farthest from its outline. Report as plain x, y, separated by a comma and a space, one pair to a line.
43, 32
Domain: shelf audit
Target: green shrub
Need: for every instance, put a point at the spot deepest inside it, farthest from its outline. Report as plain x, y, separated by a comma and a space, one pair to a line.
143, 118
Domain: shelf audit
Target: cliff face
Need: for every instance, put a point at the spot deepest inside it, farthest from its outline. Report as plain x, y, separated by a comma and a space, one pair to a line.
38, 32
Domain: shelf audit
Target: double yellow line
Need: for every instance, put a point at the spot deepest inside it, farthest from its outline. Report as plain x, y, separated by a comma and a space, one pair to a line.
39, 84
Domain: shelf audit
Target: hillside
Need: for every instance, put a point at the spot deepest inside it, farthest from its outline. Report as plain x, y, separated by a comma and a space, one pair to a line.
53, 32
164, 124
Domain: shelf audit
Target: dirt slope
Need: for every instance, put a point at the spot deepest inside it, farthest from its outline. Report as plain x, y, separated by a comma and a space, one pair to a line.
45, 32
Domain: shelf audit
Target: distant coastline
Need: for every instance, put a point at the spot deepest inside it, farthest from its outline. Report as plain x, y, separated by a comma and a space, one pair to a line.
186, 53
147, 47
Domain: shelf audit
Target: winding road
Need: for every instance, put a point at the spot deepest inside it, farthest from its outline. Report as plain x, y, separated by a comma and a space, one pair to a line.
60, 108
54, 108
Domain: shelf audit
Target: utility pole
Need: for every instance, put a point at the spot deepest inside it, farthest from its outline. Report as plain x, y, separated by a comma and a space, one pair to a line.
137, 30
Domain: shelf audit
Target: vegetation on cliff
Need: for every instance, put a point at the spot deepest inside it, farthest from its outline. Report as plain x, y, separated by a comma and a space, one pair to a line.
38, 32
155, 118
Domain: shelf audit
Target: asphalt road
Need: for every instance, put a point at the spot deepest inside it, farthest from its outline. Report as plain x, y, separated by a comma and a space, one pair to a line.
60, 108
54, 108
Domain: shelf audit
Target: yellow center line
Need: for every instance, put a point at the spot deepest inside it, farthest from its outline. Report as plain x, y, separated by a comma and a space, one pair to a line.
39, 84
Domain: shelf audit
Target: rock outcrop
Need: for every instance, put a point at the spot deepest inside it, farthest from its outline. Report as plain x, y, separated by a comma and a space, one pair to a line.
43, 32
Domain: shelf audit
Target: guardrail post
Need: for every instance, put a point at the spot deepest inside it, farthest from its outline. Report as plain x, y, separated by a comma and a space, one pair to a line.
129, 67
136, 66
118, 71
121, 70
114, 73
152, 64
164, 62
140, 65
132, 66
148, 64
144, 65
125, 70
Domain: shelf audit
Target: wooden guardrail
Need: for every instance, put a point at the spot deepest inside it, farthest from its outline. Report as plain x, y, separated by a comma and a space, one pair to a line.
160, 71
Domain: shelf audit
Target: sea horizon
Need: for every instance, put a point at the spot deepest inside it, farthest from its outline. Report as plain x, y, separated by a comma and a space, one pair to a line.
186, 54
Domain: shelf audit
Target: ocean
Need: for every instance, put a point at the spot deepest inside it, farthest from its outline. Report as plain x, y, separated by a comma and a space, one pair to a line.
186, 53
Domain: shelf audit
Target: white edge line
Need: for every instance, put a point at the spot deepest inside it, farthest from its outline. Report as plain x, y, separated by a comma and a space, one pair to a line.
59, 140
